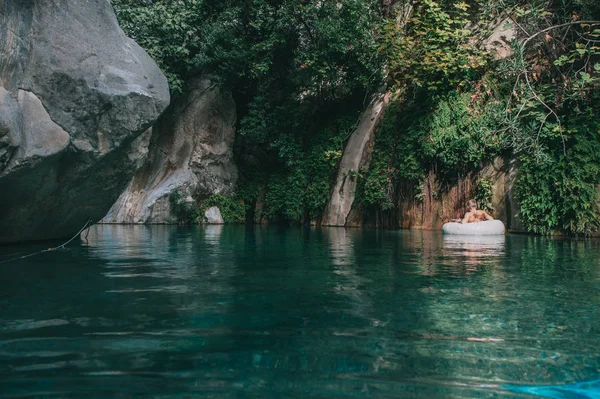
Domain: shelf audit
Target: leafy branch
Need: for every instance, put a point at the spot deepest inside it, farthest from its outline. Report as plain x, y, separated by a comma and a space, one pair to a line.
525, 74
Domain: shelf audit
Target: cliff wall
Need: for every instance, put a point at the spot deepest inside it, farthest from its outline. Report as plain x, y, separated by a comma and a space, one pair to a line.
75, 97
190, 153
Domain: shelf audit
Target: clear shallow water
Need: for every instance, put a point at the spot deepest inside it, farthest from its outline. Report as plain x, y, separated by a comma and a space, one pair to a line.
235, 312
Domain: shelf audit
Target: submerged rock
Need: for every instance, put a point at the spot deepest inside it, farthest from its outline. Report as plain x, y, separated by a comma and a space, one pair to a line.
191, 153
75, 96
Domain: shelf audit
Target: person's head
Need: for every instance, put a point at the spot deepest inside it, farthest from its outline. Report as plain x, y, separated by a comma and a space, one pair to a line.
472, 205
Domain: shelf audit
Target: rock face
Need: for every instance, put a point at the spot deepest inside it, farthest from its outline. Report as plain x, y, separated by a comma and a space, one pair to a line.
75, 96
191, 153
499, 41
356, 155
213, 216
432, 206
436, 207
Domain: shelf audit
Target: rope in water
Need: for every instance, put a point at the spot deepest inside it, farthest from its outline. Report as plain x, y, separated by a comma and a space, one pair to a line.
62, 246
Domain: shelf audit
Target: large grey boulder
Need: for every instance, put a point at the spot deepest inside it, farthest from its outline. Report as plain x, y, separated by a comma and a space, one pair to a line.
191, 154
75, 97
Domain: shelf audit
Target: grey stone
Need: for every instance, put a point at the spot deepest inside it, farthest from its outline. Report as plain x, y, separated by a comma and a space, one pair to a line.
75, 97
499, 41
191, 152
10, 126
356, 155
213, 216
40, 136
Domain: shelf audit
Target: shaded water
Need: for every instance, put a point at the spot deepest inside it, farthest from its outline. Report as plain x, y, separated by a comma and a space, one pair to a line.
235, 312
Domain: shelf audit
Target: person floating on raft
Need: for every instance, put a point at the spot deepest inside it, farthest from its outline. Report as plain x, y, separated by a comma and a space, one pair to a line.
476, 222
473, 214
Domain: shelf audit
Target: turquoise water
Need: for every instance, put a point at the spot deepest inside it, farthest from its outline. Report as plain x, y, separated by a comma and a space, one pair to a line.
236, 312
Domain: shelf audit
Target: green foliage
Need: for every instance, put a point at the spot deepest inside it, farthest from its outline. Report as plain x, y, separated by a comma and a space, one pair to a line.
552, 120
186, 212
589, 9
461, 133
321, 49
167, 30
301, 191
484, 193
377, 184
336, 50
560, 193
232, 208
452, 134
284, 197
434, 47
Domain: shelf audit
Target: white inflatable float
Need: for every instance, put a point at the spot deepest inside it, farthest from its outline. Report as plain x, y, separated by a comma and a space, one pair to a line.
486, 228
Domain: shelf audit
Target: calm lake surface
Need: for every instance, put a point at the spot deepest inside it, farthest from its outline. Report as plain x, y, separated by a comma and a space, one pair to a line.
267, 312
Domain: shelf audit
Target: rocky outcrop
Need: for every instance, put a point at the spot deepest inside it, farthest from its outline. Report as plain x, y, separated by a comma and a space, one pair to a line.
213, 216
75, 96
191, 153
356, 156
498, 44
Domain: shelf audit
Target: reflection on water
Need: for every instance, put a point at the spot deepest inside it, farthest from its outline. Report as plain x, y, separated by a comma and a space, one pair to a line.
481, 245
348, 281
473, 251
222, 311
